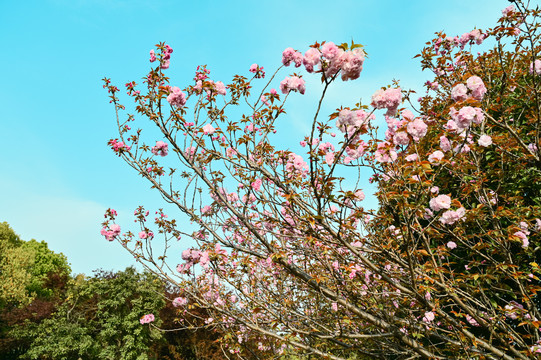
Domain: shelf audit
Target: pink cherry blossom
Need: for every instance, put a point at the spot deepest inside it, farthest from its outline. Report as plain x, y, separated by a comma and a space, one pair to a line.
208, 129
451, 245
311, 58
160, 148
256, 185
535, 67
220, 88
417, 129
429, 317
152, 56
385, 153
445, 144
401, 138
407, 114
435, 156
180, 301
476, 85
289, 55
118, 146
466, 116
359, 194
440, 202
332, 209
471, 320
352, 64
522, 236
459, 92
293, 83
412, 157
451, 216
264, 100
329, 158
484, 140
176, 97
147, 319
508, 11
388, 99
329, 50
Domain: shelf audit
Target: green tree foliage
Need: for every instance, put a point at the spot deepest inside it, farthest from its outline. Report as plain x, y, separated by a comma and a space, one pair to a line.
47, 314
99, 319
14, 263
25, 267
32, 282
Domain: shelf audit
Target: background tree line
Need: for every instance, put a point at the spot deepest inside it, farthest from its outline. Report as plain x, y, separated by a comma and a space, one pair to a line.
48, 313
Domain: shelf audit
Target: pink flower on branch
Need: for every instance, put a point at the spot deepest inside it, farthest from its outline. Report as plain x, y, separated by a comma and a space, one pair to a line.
451, 216
146, 319
208, 129
176, 97
293, 83
440, 202
484, 140
388, 99
160, 148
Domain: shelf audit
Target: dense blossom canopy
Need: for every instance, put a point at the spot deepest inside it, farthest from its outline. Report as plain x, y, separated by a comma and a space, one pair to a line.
446, 267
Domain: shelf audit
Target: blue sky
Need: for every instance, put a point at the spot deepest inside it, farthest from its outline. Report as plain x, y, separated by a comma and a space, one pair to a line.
58, 175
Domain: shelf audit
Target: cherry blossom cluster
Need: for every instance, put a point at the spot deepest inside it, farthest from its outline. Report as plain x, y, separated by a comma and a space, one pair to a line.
111, 233
475, 84
179, 301
296, 164
201, 73
470, 37
535, 67
355, 151
209, 86
176, 97
417, 129
208, 129
463, 118
436, 156
118, 146
166, 56
443, 202
330, 58
388, 99
351, 121
508, 11
160, 148
289, 55
399, 132
385, 152
327, 148
336, 59
524, 232
258, 71
293, 83
192, 257
444, 45
452, 216
147, 319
